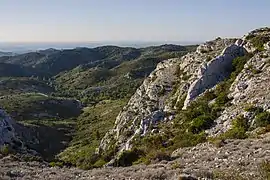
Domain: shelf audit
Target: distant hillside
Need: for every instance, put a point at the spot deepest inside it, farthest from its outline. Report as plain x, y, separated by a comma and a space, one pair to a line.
6, 54
91, 74
54, 61
116, 76
15, 70
18, 85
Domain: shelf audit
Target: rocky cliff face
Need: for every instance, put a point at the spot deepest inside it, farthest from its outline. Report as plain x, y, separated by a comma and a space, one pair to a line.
177, 82
251, 88
216, 70
7, 132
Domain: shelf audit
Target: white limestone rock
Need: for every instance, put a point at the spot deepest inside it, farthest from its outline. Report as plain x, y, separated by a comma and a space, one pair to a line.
267, 46
214, 71
181, 80
251, 87
152, 102
204, 48
249, 47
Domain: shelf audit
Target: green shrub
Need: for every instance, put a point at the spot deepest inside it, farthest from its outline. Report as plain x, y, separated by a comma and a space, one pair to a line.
188, 139
209, 95
253, 69
254, 109
176, 165
99, 163
5, 150
208, 58
158, 155
222, 87
201, 123
222, 99
238, 130
58, 164
262, 119
238, 64
259, 41
126, 158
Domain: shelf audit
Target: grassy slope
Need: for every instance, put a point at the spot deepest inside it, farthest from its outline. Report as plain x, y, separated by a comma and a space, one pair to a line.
92, 125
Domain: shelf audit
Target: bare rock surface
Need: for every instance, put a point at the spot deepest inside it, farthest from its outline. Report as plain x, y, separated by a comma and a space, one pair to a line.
7, 132
251, 87
214, 71
242, 158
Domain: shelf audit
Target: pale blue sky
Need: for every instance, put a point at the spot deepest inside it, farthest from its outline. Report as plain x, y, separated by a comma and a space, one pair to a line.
129, 20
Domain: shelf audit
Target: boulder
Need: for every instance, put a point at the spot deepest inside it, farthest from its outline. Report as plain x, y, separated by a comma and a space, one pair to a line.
267, 46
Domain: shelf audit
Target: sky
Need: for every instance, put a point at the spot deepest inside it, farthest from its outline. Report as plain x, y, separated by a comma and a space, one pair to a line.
129, 20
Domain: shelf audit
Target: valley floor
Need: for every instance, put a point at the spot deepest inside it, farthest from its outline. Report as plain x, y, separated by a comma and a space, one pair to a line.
231, 159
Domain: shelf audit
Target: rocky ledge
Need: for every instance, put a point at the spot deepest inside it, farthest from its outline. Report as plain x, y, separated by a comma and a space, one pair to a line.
243, 159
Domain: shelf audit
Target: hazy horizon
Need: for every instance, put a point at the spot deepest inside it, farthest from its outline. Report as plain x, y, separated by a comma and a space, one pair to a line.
133, 21
33, 46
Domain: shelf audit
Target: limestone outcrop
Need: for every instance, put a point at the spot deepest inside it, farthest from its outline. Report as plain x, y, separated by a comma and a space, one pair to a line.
156, 99
214, 71
251, 88
7, 132
145, 108
177, 82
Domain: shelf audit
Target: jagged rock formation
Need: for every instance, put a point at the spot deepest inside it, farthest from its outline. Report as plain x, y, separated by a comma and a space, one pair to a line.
7, 132
214, 71
251, 87
176, 82
145, 107
267, 46
11, 140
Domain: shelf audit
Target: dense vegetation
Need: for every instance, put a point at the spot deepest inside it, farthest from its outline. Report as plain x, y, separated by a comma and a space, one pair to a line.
92, 125
18, 85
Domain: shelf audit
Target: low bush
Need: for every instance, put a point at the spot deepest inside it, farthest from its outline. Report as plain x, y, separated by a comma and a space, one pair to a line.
262, 119
238, 130
200, 123
254, 109
5, 150
99, 163
128, 157
259, 41
188, 139
56, 164
158, 155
